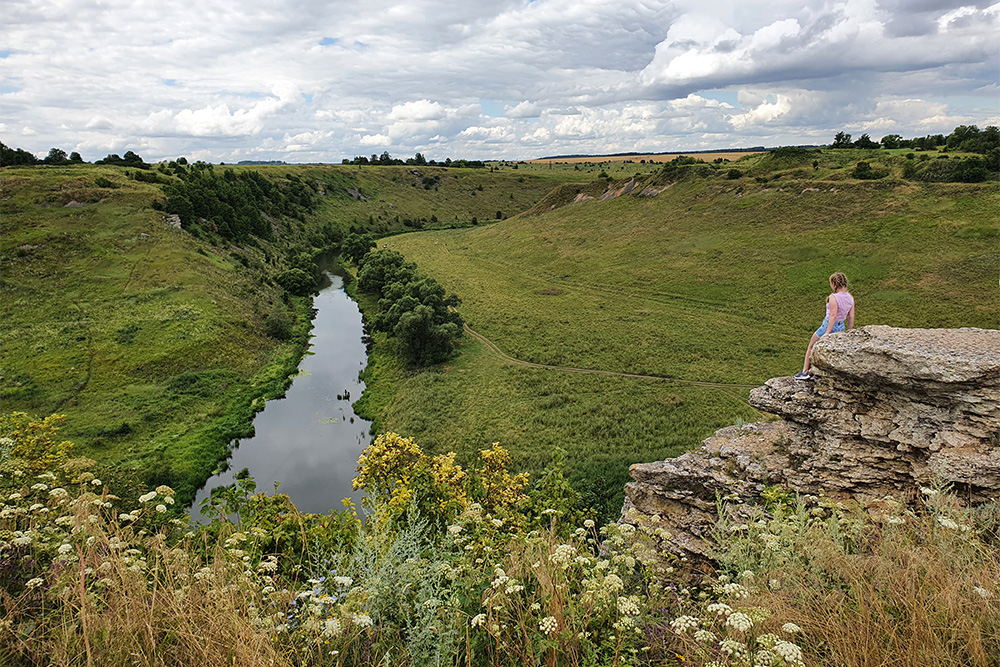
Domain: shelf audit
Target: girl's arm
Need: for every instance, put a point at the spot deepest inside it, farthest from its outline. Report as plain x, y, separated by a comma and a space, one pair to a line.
832, 304
850, 318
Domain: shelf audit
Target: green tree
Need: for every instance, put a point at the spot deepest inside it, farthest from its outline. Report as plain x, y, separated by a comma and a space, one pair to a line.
422, 341
75, 158
892, 141
13, 156
56, 156
842, 140
381, 268
296, 281
356, 246
864, 141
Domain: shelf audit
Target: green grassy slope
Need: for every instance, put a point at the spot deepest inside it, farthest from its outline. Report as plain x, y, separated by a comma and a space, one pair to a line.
712, 280
383, 199
145, 338
154, 343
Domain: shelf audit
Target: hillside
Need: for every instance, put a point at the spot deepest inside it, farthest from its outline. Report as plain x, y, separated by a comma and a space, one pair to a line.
716, 279
159, 344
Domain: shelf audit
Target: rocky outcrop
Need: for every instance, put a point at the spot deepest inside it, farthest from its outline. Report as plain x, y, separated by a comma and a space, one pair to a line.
889, 410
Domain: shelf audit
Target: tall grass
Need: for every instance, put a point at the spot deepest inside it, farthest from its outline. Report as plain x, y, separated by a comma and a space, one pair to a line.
478, 571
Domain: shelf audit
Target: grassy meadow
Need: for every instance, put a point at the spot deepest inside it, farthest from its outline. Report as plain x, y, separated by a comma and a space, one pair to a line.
715, 279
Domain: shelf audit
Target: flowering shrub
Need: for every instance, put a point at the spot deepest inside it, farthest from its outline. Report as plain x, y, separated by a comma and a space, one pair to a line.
30, 444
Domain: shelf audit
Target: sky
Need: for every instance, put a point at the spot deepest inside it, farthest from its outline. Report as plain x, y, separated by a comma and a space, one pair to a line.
321, 80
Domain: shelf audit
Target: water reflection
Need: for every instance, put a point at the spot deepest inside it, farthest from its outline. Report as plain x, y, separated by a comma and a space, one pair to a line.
310, 440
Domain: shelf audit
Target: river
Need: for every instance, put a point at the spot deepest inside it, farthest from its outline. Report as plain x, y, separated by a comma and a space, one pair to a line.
310, 441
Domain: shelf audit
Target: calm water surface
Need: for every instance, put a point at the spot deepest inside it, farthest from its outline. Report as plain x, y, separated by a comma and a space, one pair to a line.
310, 440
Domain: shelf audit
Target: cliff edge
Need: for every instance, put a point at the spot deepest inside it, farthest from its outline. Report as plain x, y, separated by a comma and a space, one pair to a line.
890, 410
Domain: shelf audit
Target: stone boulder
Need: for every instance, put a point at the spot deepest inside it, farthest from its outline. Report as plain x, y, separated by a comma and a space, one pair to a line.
889, 410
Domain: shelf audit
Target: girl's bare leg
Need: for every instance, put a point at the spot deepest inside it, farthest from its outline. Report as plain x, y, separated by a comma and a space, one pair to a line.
812, 341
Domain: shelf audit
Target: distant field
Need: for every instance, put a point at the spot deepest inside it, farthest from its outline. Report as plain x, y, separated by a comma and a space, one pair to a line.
713, 280
658, 157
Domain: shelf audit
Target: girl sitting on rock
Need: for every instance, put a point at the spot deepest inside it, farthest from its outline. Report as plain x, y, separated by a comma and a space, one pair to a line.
839, 310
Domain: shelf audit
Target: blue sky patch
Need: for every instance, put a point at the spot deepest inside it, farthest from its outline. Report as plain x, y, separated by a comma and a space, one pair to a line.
491, 108
328, 41
727, 96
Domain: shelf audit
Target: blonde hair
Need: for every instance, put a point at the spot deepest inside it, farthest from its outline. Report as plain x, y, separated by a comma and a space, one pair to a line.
839, 281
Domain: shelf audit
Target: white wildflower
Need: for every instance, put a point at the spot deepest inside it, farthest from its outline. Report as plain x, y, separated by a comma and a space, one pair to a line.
161, 508
478, 620
563, 554
613, 583
682, 624
982, 592
40, 487
58, 492
34, 583
96, 482
65, 548
739, 621
362, 620
548, 625
719, 609
627, 607
146, 497
331, 627
732, 647
736, 591
790, 628
454, 529
588, 523
763, 658
704, 636
789, 651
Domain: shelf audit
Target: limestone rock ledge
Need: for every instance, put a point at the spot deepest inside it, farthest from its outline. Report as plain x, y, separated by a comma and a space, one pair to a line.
889, 410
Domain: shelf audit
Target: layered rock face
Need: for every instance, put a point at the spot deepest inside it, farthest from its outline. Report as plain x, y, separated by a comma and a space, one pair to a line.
889, 410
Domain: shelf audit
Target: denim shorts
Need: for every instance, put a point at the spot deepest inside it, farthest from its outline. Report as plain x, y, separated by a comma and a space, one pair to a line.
837, 326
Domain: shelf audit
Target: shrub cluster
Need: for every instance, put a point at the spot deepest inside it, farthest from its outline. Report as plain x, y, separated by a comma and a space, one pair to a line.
413, 308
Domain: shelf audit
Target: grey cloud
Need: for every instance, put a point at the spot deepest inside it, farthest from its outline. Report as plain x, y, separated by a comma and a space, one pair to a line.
569, 73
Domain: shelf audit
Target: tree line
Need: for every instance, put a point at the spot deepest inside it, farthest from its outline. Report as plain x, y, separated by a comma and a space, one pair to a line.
418, 160
965, 138
237, 205
57, 156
